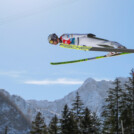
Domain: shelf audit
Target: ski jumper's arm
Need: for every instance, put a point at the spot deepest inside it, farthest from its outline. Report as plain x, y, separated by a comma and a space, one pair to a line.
71, 38
74, 35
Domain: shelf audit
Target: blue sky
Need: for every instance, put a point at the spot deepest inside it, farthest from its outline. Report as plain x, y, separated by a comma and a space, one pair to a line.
25, 53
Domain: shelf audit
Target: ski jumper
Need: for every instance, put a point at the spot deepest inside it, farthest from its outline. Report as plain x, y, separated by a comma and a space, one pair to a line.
88, 40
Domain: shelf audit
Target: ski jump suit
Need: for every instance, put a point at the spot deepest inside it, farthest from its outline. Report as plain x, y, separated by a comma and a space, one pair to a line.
89, 40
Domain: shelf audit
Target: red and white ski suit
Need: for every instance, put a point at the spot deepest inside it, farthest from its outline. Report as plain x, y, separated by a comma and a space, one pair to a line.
85, 40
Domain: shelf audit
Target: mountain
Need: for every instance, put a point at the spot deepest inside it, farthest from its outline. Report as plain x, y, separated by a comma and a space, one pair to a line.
17, 113
92, 93
12, 117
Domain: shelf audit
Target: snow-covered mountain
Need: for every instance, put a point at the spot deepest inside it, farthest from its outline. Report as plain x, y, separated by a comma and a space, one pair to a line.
11, 116
92, 94
14, 109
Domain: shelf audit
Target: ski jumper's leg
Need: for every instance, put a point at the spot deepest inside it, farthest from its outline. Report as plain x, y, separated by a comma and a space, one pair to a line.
117, 45
86, 41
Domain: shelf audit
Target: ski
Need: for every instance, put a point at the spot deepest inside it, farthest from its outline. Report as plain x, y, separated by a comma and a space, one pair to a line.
88, 48
86, 59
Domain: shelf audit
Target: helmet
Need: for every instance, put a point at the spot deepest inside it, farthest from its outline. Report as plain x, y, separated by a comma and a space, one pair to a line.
52, 37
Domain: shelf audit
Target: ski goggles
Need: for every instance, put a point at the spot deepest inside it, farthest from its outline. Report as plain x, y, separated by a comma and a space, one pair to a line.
51, 41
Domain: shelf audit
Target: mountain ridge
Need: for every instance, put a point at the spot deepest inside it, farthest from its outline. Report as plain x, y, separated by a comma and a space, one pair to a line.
92, 93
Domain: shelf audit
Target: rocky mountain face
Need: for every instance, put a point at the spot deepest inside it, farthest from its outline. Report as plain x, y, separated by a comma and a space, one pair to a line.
92, 94
12, 117
18, 113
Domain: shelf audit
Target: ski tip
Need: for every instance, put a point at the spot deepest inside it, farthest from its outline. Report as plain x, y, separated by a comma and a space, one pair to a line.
52, 63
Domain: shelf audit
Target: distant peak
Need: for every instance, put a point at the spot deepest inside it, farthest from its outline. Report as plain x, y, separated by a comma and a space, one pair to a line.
89, 80
3, 91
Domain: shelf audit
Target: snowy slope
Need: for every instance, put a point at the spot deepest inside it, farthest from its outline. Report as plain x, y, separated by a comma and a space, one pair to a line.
11, 116
17, 114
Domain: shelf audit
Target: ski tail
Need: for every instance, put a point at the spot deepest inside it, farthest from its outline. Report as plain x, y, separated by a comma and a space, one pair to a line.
86, 59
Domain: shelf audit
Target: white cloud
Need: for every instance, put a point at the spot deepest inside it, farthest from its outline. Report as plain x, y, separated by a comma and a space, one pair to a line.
14, 74
63, 81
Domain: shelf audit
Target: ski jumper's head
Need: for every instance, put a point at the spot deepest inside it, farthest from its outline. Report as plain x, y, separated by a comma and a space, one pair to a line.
53, 39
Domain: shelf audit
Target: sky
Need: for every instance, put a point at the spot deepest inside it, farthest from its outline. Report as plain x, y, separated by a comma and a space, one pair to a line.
25, 53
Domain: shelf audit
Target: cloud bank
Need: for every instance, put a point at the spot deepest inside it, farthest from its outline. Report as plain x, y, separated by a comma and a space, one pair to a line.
62, 81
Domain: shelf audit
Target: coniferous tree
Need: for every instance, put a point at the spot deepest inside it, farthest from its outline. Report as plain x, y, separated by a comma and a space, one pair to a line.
64, 120
38, 126
53, 126
125, 110
77, 107
78, 110
72, 124
45, 130
6, 129
87, 122
128, 111
90, 123
131, 79
96, 124
68, 122
111, 111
